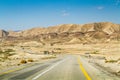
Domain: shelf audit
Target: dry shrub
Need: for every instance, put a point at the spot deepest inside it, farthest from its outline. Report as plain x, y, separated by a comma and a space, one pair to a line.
50, 57
18, 64
95, 52
110, 61
23, 61
118, 59
30, 60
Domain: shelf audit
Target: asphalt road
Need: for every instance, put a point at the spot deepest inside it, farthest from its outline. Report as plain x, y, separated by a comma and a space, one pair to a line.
70, 67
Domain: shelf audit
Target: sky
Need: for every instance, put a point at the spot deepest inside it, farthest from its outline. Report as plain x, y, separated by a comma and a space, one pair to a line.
26, 14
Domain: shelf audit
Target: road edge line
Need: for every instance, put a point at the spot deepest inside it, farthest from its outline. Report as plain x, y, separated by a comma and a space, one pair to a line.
36, 77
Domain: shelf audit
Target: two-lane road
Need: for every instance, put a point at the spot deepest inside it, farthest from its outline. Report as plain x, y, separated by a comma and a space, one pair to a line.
67, 68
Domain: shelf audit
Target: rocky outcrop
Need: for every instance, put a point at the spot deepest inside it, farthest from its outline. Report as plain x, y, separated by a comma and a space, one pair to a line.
3, 33
14, 34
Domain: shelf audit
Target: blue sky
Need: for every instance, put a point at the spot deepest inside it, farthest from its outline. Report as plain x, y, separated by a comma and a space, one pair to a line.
25, 14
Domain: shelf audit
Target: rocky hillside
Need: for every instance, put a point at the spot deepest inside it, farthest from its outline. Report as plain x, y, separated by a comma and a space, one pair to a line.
102, 30
106, 27
3, 33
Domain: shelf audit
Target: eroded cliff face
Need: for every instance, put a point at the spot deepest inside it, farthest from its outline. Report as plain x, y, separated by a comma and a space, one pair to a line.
102, 30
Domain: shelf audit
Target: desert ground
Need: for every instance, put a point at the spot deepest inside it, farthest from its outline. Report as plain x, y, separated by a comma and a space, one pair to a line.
103, 55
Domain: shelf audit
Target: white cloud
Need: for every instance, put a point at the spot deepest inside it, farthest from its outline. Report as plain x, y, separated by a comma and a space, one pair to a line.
65, 13
100, 7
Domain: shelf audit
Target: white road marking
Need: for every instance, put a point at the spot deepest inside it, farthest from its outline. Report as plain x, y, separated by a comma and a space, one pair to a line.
48, 69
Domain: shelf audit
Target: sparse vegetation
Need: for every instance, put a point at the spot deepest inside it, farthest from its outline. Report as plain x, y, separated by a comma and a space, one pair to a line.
110, 61
95, 52
46, 52
6, 53
58, 49
9, 50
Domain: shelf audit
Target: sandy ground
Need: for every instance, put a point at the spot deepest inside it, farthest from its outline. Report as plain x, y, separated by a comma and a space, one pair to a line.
29, 52
107, 56
108, 51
